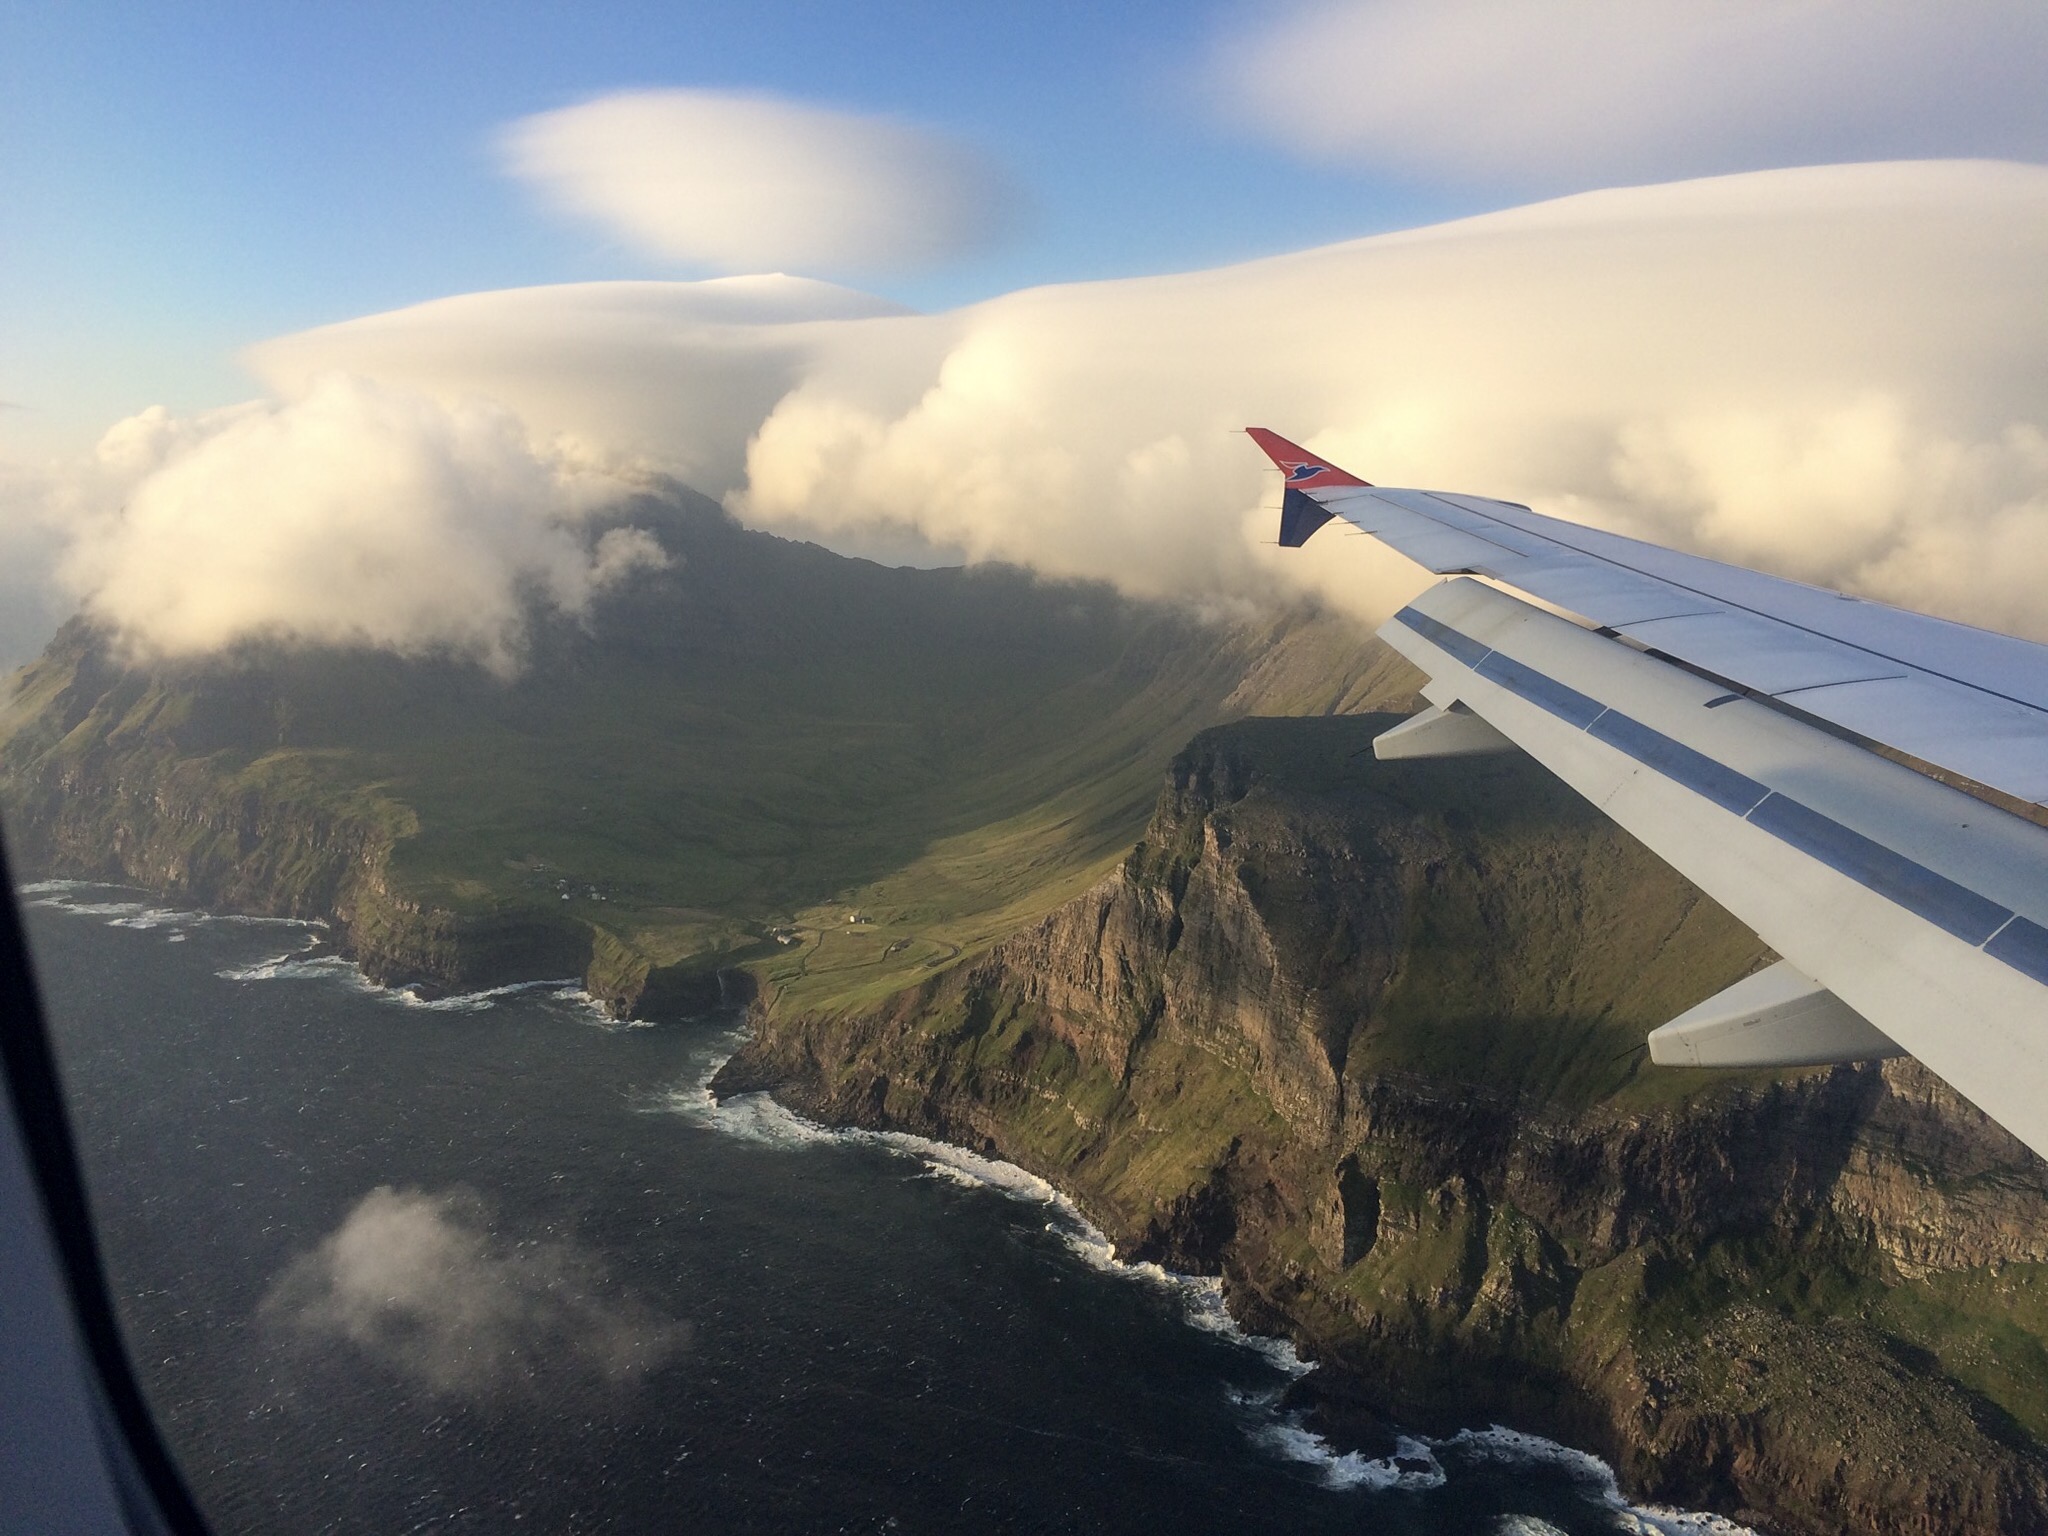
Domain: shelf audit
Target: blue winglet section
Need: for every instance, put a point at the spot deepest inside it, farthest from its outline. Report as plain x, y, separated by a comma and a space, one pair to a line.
1300, 515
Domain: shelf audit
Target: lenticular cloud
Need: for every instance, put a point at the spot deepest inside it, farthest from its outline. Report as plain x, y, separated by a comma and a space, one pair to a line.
743, 182
1568, 93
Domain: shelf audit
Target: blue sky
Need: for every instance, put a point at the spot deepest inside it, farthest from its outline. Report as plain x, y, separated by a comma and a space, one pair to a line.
181, 181
177, 182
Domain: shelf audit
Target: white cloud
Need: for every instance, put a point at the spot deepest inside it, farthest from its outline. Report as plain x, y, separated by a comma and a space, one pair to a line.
1561, 94
747, 183
357, 514
422, 1282
678, 374
1833, 373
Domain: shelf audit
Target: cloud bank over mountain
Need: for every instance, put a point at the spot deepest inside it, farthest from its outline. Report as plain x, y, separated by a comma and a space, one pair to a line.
740, 182
1831, 373
359, 514
1560, 94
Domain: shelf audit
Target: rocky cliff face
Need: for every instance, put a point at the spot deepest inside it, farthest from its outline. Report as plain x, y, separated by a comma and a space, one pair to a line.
1365, 1038
122, 775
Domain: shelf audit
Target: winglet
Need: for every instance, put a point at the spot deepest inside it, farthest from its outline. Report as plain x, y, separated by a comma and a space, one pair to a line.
1303, 469
1300, 513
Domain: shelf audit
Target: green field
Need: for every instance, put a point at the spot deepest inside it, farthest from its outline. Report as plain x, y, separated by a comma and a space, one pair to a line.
731, 759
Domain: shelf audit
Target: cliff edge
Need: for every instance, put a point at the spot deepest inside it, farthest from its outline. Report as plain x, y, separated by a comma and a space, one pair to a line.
1366, 1039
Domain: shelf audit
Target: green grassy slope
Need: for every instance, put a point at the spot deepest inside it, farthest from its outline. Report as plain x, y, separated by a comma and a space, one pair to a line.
764, 735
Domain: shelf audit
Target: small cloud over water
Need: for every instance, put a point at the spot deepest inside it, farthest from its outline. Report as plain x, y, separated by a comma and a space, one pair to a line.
431, 1285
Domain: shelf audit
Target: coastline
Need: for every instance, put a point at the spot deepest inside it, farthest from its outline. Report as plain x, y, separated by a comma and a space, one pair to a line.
1396, 1460
1273, 1421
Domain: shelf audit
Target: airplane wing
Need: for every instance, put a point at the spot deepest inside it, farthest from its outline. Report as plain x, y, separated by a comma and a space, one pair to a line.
1736, 724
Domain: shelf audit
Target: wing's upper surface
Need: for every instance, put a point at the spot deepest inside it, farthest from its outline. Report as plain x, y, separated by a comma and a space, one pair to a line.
1963, 699
1909, 915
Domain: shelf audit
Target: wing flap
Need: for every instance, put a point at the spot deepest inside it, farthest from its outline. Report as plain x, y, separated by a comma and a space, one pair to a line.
1777, 1018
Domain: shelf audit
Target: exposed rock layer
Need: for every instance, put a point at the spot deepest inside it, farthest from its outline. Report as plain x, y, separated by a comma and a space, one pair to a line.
1364, 1038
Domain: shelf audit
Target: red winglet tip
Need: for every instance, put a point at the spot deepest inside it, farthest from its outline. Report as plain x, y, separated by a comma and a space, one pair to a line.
1301, 467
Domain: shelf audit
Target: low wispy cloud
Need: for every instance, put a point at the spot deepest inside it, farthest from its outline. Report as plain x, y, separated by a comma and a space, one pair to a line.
428, 1285
358, 514
1562, 94
739, 182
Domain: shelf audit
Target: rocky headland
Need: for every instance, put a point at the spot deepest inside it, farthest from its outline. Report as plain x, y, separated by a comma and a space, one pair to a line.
1365, 1039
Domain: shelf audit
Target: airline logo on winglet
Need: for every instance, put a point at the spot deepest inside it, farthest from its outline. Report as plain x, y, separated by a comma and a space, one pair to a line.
1300, 513
1302, 468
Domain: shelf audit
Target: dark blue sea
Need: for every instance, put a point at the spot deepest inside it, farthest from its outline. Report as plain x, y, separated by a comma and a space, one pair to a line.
498, 1264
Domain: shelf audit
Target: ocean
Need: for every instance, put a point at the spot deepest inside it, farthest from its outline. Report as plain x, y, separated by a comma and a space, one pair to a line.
499, 1264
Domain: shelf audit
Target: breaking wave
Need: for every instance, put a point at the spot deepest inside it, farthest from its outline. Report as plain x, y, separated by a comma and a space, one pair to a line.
119, 909
298, 965
1511, 1445
90, 898
1412, 1467
758, 1118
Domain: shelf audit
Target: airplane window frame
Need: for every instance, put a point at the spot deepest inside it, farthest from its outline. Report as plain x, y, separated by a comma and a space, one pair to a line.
128, 1455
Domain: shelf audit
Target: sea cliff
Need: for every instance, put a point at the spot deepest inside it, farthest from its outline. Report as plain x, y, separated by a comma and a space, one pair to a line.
1366, 1040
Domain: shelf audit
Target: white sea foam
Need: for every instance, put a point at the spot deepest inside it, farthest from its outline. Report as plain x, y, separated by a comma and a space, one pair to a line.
476, 1002
129, 913
300, 965
757, 1117
591, 1009
250, 920
1512, 1445
1417, 1462
1200, 1296
120, 914
1412, 1467
297, 965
